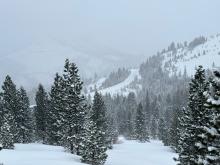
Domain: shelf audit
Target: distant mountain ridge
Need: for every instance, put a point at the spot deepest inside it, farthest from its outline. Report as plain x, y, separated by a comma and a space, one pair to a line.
175, 60
206, 53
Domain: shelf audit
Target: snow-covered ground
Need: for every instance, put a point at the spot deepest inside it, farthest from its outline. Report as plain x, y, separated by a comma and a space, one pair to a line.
205, 54
126, 153
134, 153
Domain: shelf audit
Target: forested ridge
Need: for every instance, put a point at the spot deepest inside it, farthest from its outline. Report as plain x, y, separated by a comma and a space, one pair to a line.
182, 112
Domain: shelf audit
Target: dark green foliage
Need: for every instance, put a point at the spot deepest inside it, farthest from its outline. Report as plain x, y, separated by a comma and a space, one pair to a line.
140, 125
193, 118
95, 150
7, 131
74, 107
25, 129
56, 114
162, 130
41, 113
147, 111
131, 106
209, 144
95, 142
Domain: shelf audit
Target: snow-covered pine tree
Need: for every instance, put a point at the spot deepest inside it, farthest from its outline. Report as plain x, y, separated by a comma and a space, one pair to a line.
24, 119
185, 142
1, 112
95, 144
193, 120
140, 125
99, 116
112, 131
41, 113
95, 150
147, 111
210, 141
74, 107
131, 107
153, 128
154, 118
10, 108
198, 111
7, 131
167, 120
162, 129
174, 130
56, 117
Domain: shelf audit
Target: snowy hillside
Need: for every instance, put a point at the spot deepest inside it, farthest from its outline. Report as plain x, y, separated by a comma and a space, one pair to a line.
206, 54
200, 51
127, 153
130, 84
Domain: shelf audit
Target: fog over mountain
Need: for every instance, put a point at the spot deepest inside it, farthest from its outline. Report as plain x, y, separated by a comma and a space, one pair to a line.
37, 35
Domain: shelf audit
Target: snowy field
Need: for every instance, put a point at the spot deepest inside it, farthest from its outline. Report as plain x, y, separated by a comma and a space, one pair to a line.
126, 153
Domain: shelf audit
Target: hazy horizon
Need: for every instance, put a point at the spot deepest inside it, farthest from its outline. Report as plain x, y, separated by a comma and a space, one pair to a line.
112, 33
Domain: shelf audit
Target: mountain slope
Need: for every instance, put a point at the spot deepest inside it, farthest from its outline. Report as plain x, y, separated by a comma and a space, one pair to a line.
130, 84
206, 54
178, 58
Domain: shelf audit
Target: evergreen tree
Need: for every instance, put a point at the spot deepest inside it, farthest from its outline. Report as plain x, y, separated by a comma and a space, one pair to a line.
94, 150
209, 144
153, 128
24, 118
167, 120
141, 132
56, 117
174, 130
95, 142
74, 107
162, 128
7, 132
100, 118
10, 110
185, 140
1, 112
147, 111
193, 119
112, 131
131, 107
41, 113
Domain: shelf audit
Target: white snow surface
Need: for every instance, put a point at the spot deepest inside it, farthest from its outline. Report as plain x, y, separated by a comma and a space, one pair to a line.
125, 153
134, 153
123, 88
190, 59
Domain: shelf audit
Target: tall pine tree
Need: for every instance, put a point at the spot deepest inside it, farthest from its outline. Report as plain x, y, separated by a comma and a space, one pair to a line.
140, 123
41, 113
56, 117
210, 130
192, 119
24, 118
9, 113
95, 144
74, 107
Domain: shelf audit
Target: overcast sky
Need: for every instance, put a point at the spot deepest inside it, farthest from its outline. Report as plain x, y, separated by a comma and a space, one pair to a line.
134, 27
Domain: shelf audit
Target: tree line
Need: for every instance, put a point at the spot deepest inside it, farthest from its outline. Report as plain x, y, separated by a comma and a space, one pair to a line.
61, 117
185, 117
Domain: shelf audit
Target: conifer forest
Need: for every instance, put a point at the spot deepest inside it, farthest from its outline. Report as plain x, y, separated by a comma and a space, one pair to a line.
117, 82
